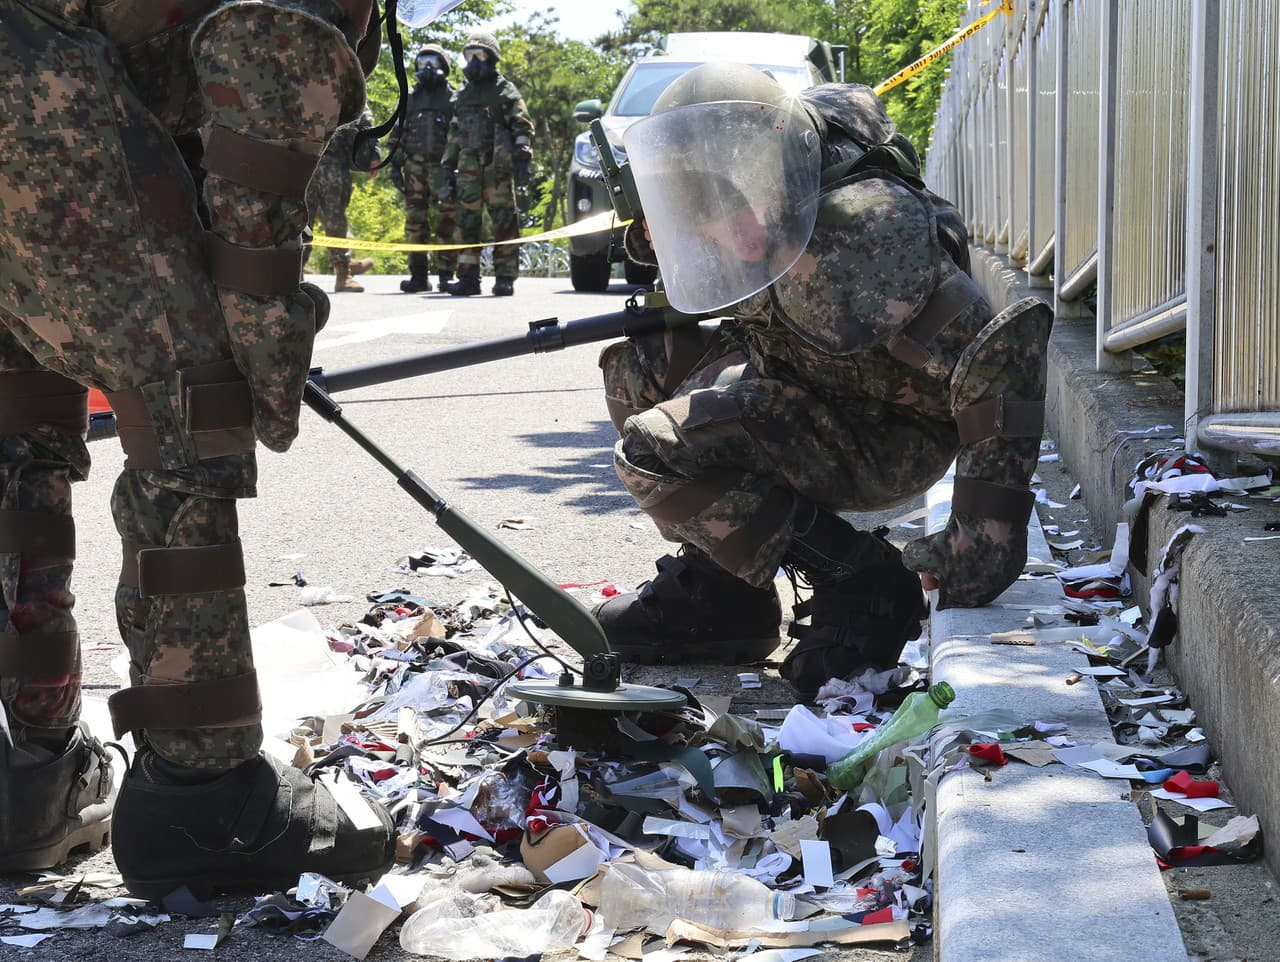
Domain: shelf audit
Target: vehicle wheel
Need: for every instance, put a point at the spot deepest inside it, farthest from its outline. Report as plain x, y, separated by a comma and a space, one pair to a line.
640, 273
590, 272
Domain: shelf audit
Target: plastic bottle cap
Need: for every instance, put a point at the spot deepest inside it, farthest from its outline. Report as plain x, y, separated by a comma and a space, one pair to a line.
942, 693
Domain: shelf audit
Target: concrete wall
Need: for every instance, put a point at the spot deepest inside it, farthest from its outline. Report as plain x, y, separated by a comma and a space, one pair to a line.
1227, 654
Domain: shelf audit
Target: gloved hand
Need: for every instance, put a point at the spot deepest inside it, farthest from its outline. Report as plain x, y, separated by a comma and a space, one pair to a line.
450, 190
397, 178
520, 168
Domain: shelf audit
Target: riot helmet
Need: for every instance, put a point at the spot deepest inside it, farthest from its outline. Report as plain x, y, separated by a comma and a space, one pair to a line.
727, 166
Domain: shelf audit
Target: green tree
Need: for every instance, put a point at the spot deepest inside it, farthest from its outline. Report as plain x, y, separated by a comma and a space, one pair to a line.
554, 74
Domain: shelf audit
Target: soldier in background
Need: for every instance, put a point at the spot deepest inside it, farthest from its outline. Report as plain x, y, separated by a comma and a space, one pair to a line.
489, 148
416, 170
329, 193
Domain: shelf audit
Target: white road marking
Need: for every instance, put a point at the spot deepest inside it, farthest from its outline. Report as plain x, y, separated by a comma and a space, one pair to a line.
426, 322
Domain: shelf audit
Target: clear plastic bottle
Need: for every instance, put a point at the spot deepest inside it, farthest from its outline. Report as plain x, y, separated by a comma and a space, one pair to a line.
632, 897
916, 715
463, 927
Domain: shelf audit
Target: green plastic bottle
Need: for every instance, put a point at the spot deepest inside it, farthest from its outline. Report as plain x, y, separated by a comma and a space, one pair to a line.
916, 715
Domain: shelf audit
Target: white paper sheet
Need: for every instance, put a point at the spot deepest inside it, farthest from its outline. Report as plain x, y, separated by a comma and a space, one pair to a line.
816, 856
1199, 804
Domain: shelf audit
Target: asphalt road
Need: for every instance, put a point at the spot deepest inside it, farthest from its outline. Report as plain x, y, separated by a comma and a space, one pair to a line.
526, 437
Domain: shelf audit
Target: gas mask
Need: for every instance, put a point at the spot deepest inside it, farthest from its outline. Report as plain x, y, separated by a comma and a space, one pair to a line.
479, 66
429, 71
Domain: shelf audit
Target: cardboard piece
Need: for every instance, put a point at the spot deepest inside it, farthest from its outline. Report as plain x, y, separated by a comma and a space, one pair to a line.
563, 853
682, 931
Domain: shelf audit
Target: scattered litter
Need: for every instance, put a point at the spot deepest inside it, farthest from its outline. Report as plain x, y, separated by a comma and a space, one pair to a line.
1044, 458
321, 595
748, 680
517, 524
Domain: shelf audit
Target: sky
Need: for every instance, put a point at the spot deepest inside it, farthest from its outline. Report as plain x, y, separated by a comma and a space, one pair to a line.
579, 19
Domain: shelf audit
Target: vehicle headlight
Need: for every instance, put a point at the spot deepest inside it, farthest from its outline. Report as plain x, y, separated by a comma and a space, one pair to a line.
584, 153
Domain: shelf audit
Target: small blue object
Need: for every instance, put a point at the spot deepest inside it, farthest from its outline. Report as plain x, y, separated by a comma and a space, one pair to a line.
1159, 776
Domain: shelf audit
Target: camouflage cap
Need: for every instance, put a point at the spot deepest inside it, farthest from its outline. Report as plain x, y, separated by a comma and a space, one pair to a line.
485, 41
439, 51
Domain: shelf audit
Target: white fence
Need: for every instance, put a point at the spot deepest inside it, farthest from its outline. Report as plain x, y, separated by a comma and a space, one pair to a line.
1132, 148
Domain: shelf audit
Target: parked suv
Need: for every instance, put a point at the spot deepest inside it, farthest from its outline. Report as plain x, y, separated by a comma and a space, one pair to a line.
795, 61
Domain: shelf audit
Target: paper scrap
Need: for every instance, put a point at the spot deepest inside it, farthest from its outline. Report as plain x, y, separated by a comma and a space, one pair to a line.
816, 856
1199, 804
25, 941
207, 941
748, 680
359, 923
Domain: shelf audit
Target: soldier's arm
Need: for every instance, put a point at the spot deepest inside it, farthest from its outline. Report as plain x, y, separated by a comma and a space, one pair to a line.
518, 120
450, 157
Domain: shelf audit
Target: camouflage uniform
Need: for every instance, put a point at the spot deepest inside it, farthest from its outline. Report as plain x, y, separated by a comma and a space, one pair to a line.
329, 191
120, 270
490, 121
426, 183
852, 381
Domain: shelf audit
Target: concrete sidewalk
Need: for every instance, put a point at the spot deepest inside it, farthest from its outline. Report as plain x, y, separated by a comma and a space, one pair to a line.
1038, 864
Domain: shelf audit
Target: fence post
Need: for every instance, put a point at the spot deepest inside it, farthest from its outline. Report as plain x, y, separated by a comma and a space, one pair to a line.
1061, 104
1202, 213
1033, 107
1107, 90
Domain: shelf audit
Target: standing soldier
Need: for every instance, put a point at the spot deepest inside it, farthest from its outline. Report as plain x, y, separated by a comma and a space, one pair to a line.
416, 171
489, 148
329, 193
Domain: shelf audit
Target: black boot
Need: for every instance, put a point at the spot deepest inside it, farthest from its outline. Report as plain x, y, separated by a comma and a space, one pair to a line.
442, 282
257, 827
418, 283
468, 281
692, 612
51, 805
865, 607
504, 286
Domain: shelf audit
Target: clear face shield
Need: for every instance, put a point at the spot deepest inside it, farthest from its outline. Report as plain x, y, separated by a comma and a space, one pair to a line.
730, 196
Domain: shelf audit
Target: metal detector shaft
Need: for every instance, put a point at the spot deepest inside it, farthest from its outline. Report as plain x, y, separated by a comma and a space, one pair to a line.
559, 610
542, 337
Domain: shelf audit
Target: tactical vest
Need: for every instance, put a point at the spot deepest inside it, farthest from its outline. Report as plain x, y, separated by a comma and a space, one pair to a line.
480, 115
426, 121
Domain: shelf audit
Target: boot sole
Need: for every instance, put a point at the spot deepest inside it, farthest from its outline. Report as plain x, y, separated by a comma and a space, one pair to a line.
742, 651
92, 838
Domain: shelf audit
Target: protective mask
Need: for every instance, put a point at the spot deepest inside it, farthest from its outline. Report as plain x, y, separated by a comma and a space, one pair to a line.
478, 70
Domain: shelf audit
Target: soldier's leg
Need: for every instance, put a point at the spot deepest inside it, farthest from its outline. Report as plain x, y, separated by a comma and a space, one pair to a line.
417, 225
500, 199
444, 200
55, 779
692, 610
751, 470
470, 193
146, 322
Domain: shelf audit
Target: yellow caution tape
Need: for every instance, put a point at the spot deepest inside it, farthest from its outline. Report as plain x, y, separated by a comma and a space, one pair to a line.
592, 225
909, 71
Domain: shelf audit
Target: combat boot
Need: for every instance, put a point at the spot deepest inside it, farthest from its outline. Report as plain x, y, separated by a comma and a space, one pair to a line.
255, 827
692, 612
342, 282
468, 281
865, 606
361, 265
442, 282
504, 286
53, 804
418, 283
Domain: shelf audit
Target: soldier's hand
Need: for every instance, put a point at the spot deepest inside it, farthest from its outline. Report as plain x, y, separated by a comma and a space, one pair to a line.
397, 179
520, 170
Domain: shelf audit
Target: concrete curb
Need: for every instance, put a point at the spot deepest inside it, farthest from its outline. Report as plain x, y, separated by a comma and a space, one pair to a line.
1039, 864
1227, 653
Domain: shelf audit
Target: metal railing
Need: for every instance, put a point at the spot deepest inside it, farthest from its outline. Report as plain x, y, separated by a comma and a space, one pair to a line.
1131, 149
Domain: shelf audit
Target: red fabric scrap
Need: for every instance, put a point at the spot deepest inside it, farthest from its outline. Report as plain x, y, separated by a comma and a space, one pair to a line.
863, 726
1184, 784
989, 752
877, 917
1184, 852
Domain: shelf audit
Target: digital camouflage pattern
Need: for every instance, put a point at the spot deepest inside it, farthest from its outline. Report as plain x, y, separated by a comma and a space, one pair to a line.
428, 188
329, 191
104, 279
799, 393
490, 122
